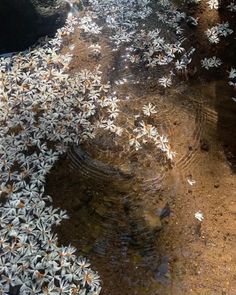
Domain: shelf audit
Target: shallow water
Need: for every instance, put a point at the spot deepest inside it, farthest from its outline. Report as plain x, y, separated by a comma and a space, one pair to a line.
115, 213
115, 197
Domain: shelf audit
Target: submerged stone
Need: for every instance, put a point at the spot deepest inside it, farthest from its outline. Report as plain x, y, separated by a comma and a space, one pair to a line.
162, 273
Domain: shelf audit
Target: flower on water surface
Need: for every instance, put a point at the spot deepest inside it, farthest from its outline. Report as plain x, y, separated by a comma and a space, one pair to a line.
199, 216
149, 109
212, 62
213, 4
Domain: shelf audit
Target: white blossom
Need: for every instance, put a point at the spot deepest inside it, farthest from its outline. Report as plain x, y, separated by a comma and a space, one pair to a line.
199, 216
149, 109
213, 4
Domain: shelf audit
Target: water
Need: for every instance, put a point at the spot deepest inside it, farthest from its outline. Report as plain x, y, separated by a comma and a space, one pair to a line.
115, 195
114, 198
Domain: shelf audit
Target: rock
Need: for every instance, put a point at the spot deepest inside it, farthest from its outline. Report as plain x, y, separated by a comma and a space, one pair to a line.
198, 229
216, 185
165, 212
76, 204
162, 274
125, 169
153, 221
23, 22
204, 144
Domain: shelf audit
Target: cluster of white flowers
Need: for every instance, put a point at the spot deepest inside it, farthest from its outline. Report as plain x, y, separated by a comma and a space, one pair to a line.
156, 50
164, 48
31, 262
88, 24
182, 63
121, 17
211, 62
43, 110
220, 30
165, 81
147, 133
168, 15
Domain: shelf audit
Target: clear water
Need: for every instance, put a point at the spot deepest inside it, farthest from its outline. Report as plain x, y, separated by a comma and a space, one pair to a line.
115, 196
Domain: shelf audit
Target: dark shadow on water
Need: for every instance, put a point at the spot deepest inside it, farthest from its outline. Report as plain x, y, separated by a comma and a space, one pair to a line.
21, 24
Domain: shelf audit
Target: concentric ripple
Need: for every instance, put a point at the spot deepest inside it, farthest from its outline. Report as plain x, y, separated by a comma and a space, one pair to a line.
93, 168
116, 222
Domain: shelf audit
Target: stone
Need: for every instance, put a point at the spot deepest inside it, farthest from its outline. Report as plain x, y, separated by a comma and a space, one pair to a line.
216, 185
24, 21
204, 144
152, 220
162, 274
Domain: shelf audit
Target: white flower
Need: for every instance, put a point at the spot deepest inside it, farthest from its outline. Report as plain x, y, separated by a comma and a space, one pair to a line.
199, 216
170, 154
212, 35
220, 30
232, 7
89, 26
165, 81
192, 20
191, 181
108, 125
224, 30
149, 109
133, 141
213, 4
232, 73
180, 65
